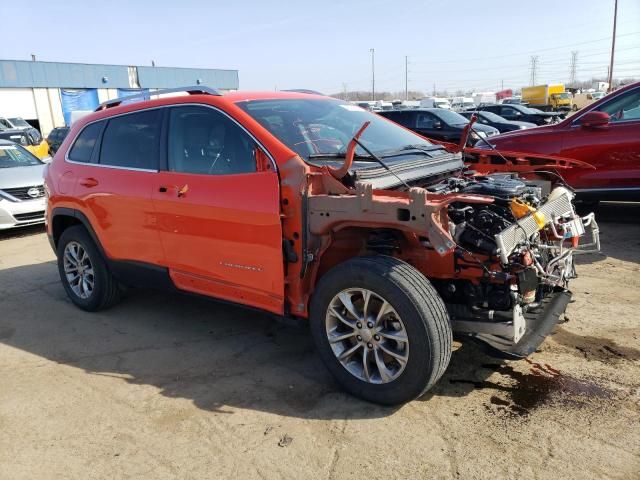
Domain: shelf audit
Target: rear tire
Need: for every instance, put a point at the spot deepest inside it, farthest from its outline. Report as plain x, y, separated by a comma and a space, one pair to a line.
386, 358
83, 271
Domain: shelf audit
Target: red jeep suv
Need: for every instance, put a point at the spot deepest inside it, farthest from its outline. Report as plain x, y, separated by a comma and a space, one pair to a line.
605, 134
309, 207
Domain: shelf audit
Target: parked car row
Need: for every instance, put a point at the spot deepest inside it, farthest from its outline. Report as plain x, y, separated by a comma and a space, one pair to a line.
439, 124
605, 134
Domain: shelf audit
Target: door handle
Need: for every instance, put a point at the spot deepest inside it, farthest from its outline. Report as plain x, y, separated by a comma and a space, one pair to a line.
88, 182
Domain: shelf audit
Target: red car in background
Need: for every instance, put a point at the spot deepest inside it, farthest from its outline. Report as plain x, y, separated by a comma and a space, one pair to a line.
606, 134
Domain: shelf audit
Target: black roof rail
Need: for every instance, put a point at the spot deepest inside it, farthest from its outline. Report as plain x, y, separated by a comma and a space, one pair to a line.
146, 95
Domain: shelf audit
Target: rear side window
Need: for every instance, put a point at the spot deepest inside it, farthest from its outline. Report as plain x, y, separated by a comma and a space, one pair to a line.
132, 140
82, 148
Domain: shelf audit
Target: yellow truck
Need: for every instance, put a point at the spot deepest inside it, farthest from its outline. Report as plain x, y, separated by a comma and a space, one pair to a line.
547, 97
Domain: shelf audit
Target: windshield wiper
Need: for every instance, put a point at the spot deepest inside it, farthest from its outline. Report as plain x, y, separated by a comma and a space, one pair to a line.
339, 155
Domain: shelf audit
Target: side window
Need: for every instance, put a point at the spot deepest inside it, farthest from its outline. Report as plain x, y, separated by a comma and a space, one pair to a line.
82, 148
403, 118
424, 120
205, 141
4, 123
132, 140
507, 111
624, 107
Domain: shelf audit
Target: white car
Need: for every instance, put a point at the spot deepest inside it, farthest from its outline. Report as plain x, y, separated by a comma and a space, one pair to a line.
22, 197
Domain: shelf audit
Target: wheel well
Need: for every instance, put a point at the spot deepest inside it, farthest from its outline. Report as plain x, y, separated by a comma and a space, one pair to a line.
60, 223
357, 241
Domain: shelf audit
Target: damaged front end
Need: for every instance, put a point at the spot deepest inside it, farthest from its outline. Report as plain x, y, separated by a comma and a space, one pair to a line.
499, 248
534, 248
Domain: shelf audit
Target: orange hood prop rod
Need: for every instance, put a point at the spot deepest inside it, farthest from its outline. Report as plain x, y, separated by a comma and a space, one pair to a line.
338, 173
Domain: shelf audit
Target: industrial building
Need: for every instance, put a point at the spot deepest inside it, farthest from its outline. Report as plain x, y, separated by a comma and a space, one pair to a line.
45, 93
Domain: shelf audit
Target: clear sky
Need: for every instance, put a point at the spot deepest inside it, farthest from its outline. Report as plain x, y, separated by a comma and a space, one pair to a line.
324, 45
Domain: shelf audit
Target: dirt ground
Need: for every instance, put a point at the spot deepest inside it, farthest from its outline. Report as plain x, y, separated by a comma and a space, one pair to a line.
170, 386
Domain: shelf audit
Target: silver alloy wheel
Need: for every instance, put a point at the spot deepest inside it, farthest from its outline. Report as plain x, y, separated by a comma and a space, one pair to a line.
78, 269
367, 335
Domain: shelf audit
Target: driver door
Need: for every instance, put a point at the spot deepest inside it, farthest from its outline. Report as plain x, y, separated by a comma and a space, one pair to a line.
218, 211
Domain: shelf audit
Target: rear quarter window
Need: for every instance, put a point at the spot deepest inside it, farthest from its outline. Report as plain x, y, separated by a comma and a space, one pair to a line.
82, 148
132, 140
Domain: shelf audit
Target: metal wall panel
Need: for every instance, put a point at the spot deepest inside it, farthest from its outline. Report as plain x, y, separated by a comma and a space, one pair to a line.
26, 74
164, 77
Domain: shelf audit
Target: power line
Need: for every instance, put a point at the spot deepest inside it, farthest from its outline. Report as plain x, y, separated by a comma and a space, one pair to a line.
531, 51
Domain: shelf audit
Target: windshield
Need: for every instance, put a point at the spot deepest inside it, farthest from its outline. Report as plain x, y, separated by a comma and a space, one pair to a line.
323, 126
492, 117
15, 156
527, 110
597, 95
19, 122
451, 118
563, 95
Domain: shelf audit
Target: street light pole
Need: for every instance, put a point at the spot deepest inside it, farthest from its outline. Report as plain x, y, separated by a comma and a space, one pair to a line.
613, 46
406, 77
373, 73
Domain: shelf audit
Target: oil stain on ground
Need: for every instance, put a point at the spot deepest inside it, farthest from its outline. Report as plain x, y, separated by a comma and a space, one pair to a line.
521, 393
595, 348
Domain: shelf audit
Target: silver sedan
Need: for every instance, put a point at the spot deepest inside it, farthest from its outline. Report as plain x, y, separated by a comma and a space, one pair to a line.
22, 196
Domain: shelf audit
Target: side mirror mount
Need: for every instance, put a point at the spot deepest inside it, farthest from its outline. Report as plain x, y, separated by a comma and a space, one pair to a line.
595, 119
262, 161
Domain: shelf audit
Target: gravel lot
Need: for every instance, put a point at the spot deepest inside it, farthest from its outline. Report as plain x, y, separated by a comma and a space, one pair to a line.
170, 386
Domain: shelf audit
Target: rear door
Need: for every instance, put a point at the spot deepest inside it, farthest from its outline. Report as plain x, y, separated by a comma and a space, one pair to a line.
115, 163
218, 209
614, 149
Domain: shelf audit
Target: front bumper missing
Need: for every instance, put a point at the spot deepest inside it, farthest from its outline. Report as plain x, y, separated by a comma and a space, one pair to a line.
521, 336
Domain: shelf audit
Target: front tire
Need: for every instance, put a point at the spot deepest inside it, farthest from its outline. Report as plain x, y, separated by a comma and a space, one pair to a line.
381, 329
83, 271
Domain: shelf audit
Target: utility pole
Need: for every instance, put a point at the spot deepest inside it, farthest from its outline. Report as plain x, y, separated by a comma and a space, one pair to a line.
501, 84
434, 89
344, 92
373, 73
572, 68
406, 77
613, 45
534, 67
